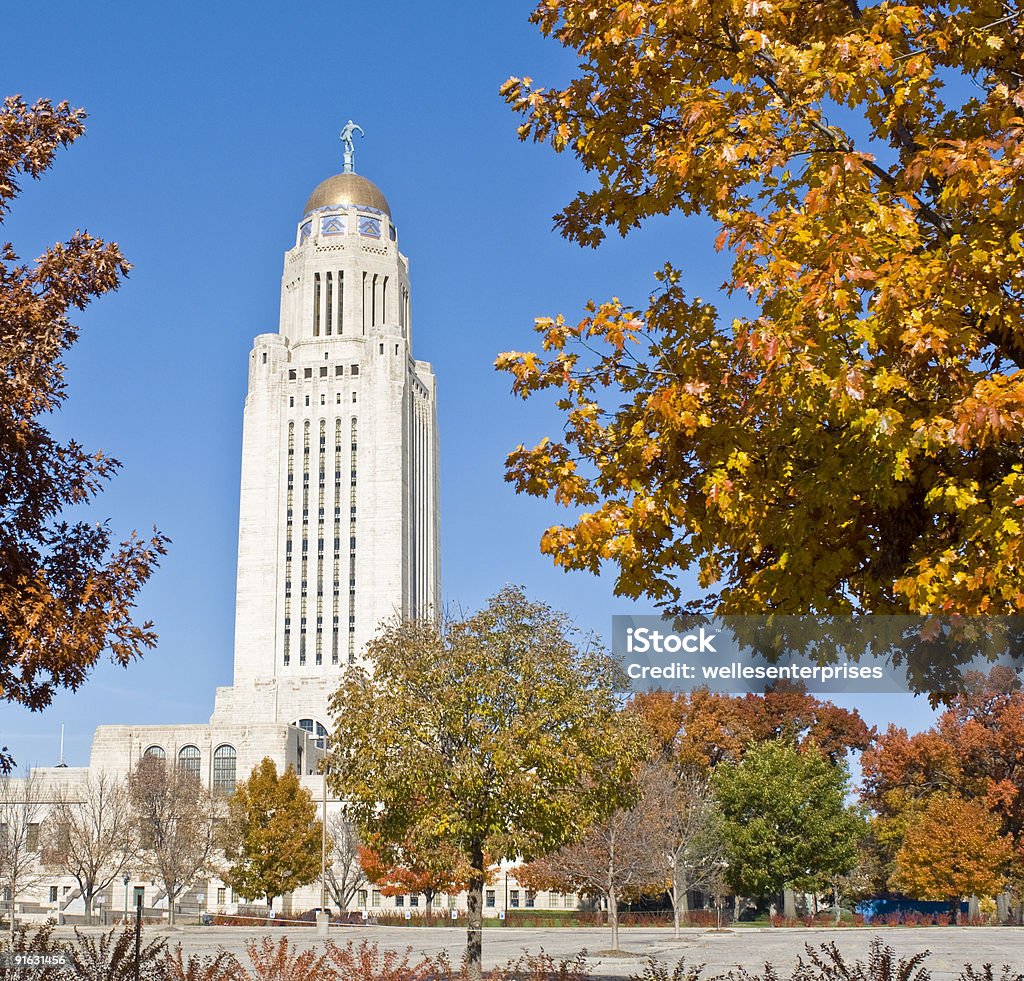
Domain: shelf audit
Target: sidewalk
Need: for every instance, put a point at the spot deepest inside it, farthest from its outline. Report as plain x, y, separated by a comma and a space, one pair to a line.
750, 947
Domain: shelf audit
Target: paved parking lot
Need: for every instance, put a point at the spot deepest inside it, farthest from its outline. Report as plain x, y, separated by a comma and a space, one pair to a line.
950, 947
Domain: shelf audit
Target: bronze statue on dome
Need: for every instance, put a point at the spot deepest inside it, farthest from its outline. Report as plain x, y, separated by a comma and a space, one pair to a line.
348, 143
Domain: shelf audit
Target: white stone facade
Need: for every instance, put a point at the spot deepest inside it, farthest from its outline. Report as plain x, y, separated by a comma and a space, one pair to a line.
338, 518
338, 524
338, 514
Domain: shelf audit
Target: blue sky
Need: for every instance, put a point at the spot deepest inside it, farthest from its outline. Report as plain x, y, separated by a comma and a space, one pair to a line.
209, 124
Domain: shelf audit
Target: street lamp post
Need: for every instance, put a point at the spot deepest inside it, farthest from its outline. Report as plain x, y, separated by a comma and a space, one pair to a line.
323, 918
126, 878
323, 841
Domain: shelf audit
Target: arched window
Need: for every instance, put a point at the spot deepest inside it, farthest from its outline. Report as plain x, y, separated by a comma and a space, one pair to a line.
311, 726
157, 752
189, 760
224, 762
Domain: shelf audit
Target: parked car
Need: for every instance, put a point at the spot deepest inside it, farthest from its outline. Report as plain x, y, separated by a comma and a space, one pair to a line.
311, 914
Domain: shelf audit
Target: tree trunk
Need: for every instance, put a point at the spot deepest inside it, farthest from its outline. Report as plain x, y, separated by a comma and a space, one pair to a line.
789, 904
475, 912
270, 908
613, 916
954, 909
88, 907
675, 905
428, 907
1003, 906
680, 907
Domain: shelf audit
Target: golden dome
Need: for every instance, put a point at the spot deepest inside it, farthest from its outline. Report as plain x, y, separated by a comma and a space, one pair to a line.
343, 190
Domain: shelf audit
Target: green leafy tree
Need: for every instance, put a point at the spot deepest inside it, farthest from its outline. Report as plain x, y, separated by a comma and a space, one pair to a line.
67, 589
785, 820
272, 837
497, 735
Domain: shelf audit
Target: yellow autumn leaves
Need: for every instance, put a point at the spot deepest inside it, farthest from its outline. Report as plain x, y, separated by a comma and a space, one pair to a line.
856, 442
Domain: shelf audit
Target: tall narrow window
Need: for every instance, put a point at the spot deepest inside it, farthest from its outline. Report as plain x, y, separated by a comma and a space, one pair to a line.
364, 304
289, 531
335, 585
341, 302
304, 580
352, 551
316, 305
328, 319
384, 301
322, 473
373, 301
225, 761
190, 761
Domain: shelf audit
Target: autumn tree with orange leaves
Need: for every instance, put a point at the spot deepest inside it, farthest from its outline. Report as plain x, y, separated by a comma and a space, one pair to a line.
400, 870
853, 442
703, 728
67, 589
952, 848
975, 751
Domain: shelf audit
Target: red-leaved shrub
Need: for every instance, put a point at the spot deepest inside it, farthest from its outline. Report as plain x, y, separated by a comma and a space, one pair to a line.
367, 962
281, 961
